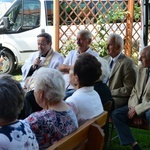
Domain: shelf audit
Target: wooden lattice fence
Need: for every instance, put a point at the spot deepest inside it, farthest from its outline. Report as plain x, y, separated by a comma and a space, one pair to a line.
101, 18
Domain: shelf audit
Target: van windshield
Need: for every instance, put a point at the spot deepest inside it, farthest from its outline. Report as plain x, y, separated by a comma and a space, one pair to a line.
25, 15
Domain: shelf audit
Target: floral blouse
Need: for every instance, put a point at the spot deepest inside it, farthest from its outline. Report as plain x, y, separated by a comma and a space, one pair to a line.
50, 126
17, 136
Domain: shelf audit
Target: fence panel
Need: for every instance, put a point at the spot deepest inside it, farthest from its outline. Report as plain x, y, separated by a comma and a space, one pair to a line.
100, 17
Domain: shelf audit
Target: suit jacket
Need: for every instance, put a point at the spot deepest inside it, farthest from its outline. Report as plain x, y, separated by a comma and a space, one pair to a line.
140, 108
122, 79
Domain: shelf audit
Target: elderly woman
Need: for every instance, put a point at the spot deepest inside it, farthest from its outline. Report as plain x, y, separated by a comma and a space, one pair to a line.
56, 120
85, 101
14, 134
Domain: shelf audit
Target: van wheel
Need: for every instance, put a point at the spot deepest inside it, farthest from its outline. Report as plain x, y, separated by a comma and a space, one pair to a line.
7, 64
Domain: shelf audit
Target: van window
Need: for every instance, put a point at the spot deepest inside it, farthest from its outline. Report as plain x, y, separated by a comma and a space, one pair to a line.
49, 13
24, 16
31, 14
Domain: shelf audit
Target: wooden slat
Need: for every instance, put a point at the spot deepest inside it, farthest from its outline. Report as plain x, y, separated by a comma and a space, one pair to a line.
96, 140
56, 25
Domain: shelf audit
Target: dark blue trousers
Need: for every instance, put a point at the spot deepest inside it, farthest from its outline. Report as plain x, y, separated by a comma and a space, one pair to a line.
120, 120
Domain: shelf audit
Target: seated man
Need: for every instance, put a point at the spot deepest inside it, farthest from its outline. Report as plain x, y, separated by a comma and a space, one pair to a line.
138, 104
44, 57
84, 39
123, 71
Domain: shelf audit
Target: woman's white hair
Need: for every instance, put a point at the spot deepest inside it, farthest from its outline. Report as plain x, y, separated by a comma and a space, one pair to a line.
105, 69
52, 83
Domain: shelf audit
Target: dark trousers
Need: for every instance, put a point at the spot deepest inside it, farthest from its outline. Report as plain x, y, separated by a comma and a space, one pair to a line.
30, 105
120, 120
29, 97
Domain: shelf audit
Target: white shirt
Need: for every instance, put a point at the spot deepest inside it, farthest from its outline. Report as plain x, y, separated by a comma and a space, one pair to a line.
70, 60
73, 54
86, 103
114, 60
56, 60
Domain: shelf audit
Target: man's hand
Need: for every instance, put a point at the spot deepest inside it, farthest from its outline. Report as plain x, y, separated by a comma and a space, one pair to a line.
132, 115
64, 68
36, 63
131, 112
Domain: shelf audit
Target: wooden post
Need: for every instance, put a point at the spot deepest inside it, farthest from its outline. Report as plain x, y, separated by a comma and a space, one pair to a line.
56, 24
129, 26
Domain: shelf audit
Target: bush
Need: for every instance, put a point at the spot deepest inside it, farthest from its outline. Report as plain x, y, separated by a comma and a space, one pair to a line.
68, 46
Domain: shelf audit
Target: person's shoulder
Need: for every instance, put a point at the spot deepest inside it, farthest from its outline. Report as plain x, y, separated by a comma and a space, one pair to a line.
24, 126
34, 54
140, 67
4, 140
126, 58
73, 51
73, 98
92, 52
107, 57
57, 54
33, 118
70, 99
102, 60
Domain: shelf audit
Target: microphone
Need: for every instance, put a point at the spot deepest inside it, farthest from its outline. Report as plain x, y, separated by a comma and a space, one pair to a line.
36, 66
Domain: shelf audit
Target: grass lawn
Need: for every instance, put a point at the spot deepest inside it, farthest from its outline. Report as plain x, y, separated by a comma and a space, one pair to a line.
17, 74
142, 137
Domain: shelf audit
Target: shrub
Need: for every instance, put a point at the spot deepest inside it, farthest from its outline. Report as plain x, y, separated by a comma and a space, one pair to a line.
68, 46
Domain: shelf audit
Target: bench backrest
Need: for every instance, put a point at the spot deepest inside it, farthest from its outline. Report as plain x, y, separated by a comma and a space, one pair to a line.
87, 137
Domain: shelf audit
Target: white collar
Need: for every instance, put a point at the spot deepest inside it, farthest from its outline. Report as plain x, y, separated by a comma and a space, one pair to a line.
116, 58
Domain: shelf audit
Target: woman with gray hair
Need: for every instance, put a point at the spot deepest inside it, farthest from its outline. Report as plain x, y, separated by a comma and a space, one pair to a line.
14, 133
56, 120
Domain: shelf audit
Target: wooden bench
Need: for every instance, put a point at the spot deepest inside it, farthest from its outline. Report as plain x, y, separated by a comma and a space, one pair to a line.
89, 136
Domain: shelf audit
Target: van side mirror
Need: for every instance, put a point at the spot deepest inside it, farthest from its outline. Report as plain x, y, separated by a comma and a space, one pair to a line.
6, 23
